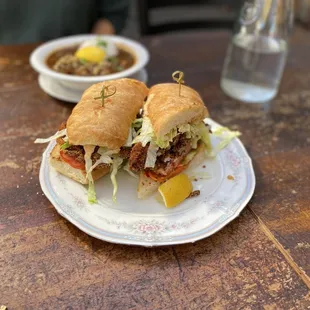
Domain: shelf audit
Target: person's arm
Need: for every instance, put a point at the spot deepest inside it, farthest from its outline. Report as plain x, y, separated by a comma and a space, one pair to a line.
112, 16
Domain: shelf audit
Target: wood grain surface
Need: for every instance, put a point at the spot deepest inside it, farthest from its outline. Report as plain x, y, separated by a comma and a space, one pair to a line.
259, 261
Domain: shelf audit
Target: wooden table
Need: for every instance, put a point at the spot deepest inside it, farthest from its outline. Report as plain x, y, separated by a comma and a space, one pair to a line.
259, 261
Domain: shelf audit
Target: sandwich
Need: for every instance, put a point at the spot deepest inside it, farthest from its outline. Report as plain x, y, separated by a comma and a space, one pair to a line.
97, 137
173, 136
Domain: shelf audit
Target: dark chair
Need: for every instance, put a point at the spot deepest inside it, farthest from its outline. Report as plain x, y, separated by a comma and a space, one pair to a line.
224, 18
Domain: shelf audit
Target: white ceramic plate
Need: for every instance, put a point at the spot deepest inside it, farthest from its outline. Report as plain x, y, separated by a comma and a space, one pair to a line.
57, 90
148, 222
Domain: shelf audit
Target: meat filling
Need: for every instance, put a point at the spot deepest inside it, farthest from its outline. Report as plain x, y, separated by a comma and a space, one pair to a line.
167, 159
77, 151
138, 157
125, 152
167, 162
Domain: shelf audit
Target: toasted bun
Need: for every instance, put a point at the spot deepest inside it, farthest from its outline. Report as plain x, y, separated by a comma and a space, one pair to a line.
108, 125
148, 186
199, 158
166, 109
73, 173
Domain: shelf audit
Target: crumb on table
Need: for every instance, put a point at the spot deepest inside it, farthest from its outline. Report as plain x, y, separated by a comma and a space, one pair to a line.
230, 177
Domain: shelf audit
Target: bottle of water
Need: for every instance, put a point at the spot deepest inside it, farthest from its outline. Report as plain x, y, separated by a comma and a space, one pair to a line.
257, 54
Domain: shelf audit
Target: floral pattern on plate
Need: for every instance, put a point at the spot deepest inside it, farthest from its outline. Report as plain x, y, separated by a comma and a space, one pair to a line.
148, 222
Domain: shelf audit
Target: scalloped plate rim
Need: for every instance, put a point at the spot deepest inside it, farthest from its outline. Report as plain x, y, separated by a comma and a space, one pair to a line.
126, 241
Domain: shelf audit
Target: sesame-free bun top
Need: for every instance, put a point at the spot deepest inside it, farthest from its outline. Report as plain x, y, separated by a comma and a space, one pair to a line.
167, 109
108, 126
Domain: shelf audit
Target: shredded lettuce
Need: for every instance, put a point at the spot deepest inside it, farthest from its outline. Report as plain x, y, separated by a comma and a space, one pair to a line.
184, 128
226, 135
65, 145
223, 130
117, 161
163, 142
89, 149
134, 134
105, 158
91, 193
133, 131
194, 135
137, 123
195, 132
57, 135
151, 155
127, 169
205, 136
129, 138
146, 134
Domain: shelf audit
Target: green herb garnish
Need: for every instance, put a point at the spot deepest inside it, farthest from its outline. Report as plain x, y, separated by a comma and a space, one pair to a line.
65, 145
137, 123
112, 59
102, 43
115, 63
83, 61
178, 77
105, 93
120, 68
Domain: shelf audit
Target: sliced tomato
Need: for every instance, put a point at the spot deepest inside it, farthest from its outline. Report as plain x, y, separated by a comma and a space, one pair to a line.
161, 178
72, 161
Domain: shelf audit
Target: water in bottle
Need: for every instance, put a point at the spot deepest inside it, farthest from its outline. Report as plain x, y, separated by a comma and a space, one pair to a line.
257, 54
253, 67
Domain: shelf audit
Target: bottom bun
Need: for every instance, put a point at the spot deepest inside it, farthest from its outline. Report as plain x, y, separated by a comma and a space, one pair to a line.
148, 186
75, 174
199, 158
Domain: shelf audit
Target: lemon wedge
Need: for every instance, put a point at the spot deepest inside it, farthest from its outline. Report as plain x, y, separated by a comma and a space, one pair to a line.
91, 53
175, 190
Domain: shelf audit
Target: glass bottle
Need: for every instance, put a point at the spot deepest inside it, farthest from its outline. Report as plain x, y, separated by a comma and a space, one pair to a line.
257, 54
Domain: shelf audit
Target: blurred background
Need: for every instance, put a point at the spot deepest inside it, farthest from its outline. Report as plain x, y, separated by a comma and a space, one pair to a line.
42, 21
180, 15
211, 14
34, 21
